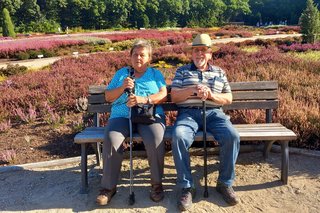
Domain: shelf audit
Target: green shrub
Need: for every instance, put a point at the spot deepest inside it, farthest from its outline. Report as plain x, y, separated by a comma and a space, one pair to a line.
34, 53
13, 70
122, 45
43, 26
22, 55
7, 25
98, 49
48, 53
310, 23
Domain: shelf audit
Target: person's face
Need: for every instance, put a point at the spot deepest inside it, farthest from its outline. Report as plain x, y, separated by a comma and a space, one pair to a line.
200, 56
140, 59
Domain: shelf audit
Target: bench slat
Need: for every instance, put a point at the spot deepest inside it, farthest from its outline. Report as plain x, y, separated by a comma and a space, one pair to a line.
96, 89
99, 108
96, 99
248, 132
254, 85
273, 104
255, 95
252, 105
235, 86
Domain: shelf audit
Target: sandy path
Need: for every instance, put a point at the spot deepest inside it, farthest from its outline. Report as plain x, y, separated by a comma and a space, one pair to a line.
257, 184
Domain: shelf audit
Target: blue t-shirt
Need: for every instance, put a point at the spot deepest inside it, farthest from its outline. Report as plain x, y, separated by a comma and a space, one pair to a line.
149, 83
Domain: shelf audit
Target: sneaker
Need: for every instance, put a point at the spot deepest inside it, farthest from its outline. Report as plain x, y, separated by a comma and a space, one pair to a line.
228, 194
185, 201
156, 193
105, 196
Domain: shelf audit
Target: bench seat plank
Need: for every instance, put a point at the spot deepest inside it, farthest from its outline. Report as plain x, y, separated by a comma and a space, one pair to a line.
248, 132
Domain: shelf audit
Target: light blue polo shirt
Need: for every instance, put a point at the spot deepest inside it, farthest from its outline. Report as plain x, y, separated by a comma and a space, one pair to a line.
149, 83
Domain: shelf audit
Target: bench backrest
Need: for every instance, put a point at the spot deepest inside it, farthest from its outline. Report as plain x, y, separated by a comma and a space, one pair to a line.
246, 95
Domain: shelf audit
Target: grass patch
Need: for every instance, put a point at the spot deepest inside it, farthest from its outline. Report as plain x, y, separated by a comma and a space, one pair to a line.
308, 56
2, 78
251, 49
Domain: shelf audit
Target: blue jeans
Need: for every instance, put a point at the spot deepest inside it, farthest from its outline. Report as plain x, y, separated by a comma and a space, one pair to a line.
188, 122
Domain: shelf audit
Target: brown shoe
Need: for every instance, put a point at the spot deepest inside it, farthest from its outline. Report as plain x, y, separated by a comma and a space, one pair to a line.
185, 202
105, 196
156, 193
228, 194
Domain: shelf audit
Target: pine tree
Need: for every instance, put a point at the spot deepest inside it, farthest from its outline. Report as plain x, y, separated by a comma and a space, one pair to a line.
7, 26
310, 23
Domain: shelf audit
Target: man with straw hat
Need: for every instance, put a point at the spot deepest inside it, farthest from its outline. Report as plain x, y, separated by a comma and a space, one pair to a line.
203, 83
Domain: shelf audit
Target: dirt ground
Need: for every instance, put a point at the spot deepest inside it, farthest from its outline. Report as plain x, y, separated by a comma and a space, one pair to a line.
38, 142
257, 184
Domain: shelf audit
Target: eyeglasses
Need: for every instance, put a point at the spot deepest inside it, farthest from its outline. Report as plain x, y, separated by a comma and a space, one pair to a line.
201, 50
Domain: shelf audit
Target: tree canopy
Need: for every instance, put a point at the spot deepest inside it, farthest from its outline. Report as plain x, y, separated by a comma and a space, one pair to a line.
7, 26
310, 23
29, 15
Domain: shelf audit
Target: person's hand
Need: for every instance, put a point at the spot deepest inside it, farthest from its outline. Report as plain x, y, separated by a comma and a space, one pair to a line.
128, 83
134, 100
193, 91
203, 92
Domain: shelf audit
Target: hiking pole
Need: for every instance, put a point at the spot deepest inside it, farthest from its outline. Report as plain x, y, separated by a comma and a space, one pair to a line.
131, 196
131, 92
206, 194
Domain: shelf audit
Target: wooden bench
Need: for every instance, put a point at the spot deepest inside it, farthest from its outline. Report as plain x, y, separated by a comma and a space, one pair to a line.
246, 95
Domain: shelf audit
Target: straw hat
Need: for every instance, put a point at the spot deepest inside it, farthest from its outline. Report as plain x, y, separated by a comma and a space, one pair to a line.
202, 40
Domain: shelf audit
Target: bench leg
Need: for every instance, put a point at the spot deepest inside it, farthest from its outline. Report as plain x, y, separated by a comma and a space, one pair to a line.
285, 161
267, 148
97, 152
84, 169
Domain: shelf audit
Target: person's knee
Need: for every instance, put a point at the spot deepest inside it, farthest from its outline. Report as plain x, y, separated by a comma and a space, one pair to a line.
230, 137
178, 133
181, 137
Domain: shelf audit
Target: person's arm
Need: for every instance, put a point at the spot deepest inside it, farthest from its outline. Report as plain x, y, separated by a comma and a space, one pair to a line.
221, 98
156, 98
112, 94
182, 94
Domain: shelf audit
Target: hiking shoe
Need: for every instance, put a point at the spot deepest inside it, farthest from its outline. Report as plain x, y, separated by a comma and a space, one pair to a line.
156, 193
228, 194
105, 196
185, 201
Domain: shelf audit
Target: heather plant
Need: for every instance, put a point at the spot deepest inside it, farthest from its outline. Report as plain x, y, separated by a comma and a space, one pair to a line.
297, 47
172, 37
28, 116
289, 29
10, 48
233, 33
5, 126
8, 156
50, 116
298, 83
77, 126
68, 79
